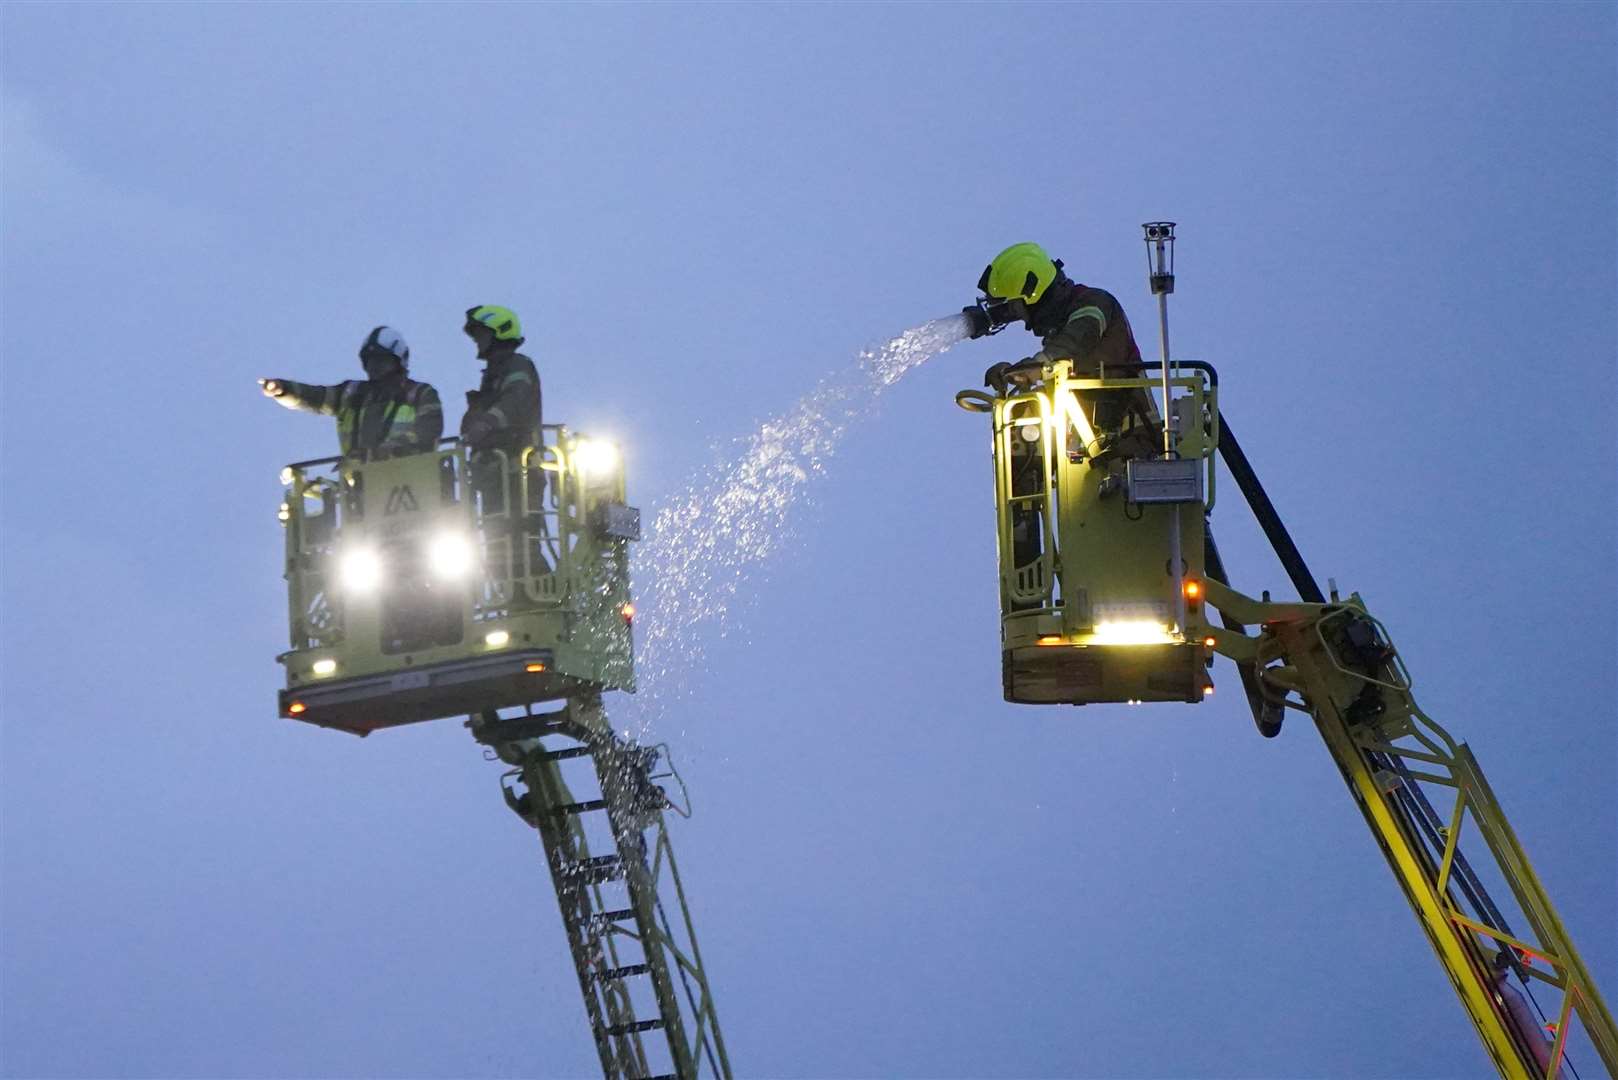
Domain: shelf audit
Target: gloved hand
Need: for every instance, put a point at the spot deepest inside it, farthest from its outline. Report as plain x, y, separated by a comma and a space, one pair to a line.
476, 431
273, 387
1024, 372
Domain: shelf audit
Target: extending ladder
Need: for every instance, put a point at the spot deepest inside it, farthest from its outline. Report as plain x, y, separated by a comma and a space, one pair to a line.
645, 991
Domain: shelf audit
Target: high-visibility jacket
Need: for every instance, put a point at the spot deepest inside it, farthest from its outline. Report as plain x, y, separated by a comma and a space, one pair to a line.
506, 405
1088, 326
379, 418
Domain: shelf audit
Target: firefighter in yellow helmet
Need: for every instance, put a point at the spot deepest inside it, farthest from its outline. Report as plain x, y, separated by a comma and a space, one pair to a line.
1074, 322
503, 418
504, 412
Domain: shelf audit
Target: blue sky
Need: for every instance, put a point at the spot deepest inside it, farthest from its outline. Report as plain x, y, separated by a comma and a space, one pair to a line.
1397, 230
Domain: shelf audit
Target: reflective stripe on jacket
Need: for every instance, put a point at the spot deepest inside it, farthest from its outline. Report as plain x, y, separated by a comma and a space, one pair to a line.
381, 418
510, 396
1092, 331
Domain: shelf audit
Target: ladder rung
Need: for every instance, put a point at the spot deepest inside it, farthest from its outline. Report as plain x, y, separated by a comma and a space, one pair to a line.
563, 755
604, 917
582, 807
593, 871
638, 1025
623, 972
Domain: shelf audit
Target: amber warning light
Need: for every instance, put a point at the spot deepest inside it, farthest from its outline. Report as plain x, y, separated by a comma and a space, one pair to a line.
296, 707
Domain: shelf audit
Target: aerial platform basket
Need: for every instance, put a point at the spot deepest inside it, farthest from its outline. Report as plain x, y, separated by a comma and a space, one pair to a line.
1101, 536
443, 584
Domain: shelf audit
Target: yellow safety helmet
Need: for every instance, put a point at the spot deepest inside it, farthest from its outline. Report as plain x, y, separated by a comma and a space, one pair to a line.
1021, 272
503, 321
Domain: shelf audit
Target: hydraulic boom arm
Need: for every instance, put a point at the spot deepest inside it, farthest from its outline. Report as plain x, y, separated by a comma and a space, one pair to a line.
1334, 661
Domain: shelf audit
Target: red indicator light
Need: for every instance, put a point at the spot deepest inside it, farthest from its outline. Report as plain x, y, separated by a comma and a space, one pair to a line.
628, 612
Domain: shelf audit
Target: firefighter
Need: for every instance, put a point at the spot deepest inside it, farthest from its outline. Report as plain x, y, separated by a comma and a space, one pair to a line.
386, 414
503, 413
502, 421
1074, 322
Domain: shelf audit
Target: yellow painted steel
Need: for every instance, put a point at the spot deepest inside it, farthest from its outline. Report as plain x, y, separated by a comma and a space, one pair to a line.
1455, 952
1092, 608
1301, 660
545, 578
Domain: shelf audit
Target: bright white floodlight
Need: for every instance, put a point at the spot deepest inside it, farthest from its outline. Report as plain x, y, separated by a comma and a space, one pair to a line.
596, 458
450, 556
360, 569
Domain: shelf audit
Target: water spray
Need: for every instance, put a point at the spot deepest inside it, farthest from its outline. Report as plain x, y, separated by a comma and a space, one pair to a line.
709, 538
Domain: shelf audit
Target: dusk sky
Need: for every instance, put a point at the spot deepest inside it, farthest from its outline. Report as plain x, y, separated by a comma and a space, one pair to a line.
1397, 228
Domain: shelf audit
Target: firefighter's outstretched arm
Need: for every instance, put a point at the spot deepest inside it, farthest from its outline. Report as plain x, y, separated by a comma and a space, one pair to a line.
307, 397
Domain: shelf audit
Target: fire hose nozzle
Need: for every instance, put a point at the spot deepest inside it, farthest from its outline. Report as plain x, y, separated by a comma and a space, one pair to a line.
977, 321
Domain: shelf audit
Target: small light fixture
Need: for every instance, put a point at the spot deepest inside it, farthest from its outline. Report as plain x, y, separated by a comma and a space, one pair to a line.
534, 668
1132, 632
296, 708
496, 639
324, 666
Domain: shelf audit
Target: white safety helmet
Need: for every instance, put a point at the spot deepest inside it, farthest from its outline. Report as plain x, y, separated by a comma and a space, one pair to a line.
385, 341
